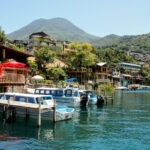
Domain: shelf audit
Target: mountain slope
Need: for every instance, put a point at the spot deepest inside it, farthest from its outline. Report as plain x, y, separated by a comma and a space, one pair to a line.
107, 40
57, 28
62, 29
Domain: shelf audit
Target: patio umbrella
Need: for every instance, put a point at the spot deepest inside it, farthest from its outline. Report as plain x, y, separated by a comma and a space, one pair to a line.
13, 64
37, 77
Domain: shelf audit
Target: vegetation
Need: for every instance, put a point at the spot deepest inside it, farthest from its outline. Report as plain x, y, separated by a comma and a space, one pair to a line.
33, 67
111, 49
56, 74
2, 36
39, 65
43, 57
83, 57
106, 89
17, 47
62, 29
113, 56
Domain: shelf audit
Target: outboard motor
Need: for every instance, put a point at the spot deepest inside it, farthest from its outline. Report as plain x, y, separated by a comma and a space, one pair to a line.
84, 99
100, 100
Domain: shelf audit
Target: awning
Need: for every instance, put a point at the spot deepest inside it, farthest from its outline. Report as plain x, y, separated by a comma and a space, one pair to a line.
13, 64
72, 80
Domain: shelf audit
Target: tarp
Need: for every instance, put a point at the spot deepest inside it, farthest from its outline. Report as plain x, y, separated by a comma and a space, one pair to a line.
72, 80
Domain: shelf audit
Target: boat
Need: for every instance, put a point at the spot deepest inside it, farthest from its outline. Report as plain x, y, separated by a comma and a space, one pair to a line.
69, 96
92, 96
62, 112
142, 89
30, 90
122, 88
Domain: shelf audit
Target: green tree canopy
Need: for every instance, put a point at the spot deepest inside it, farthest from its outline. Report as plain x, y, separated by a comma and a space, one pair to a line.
113, 56
44, 56
2, 36
33, 66
83, 56
56, 73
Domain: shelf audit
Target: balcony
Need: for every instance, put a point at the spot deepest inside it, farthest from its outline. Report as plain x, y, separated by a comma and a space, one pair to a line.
12, 79
102, 80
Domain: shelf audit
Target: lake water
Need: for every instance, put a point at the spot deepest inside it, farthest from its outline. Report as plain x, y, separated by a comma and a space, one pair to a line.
125, 125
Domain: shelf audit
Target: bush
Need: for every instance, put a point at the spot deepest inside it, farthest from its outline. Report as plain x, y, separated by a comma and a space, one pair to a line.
105, 89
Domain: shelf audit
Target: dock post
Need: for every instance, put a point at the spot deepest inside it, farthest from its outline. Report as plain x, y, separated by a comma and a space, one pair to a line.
8, 112
27, 114
8, 103
54, 111
4, 114
113, 96
39, 117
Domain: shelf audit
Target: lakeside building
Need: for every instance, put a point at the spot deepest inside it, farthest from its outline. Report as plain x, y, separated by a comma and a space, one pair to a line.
10, 53
97, 73
134, 68
12, 77
100, 72
38, 40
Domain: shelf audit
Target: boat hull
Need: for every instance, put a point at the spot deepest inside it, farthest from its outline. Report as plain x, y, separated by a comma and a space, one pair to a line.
68, 101
61, 114
93, 101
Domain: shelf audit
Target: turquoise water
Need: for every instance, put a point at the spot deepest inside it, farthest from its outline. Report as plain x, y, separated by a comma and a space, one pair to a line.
125, 125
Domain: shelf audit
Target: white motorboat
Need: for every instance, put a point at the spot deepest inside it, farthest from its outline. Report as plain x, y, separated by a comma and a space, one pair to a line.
62, 112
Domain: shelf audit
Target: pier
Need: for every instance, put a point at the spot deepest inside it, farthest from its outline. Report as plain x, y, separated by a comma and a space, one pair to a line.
9, 109
108, 98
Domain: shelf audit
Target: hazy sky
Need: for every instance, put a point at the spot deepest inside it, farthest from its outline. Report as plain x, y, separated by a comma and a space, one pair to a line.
97, 17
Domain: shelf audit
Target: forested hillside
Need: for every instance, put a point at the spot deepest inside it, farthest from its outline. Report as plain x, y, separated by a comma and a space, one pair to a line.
62, 29
138, 43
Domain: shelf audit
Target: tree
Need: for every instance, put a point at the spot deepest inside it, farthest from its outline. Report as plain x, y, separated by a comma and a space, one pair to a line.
106, 88
43, 57
2, 36
56, 73
112, 55
83, 57
33, 66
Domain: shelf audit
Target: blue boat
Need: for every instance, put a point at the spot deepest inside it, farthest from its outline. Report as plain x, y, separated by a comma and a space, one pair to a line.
64, 96
92, 96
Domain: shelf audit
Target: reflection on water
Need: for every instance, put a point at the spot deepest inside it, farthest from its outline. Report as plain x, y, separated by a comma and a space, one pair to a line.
123, 125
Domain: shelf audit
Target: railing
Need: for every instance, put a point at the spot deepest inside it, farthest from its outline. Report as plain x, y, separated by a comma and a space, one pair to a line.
99, 72
12, 78
102, 80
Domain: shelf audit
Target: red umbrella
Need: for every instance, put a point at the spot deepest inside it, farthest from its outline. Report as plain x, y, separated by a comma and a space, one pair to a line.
13, 64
